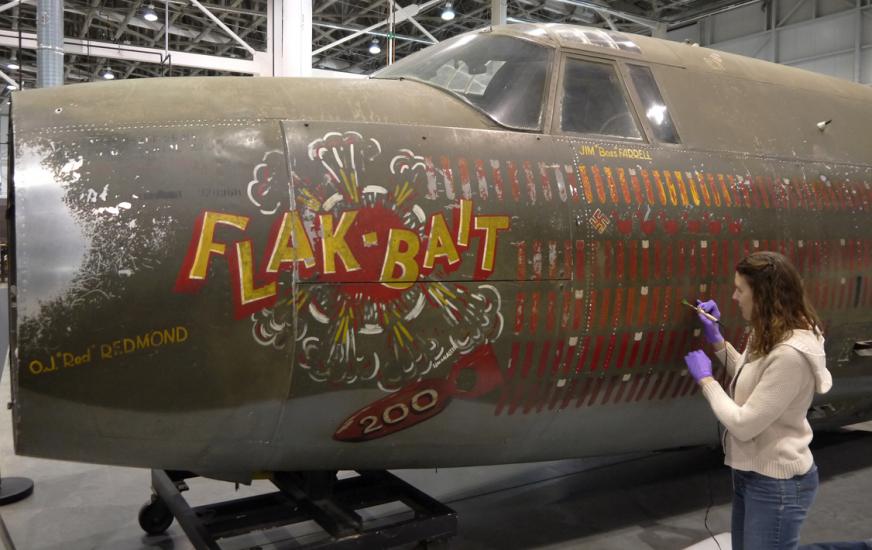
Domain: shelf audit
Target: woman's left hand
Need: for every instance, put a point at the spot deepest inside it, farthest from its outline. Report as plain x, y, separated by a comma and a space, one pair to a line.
699, 365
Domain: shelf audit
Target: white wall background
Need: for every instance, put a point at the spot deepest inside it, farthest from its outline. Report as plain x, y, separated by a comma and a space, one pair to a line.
832, 37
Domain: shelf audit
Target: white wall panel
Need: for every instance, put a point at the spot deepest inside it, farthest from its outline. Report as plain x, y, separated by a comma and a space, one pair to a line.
802, 13
739, 22
690, 32
829, 7
759, 46
867, 27
866, 67
819, 37
841, 66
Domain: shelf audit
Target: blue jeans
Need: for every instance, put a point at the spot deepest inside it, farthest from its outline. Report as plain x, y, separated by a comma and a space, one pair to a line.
768, 512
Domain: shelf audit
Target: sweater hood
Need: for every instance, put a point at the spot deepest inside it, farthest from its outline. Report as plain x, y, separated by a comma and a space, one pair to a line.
811, 345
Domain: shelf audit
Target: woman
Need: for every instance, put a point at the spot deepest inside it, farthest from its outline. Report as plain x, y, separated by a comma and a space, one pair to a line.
764, 409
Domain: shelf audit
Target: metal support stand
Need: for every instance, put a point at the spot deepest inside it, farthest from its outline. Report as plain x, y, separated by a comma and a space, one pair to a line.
304, 496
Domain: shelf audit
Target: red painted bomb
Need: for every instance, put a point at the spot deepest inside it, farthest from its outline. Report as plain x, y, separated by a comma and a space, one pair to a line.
357, 247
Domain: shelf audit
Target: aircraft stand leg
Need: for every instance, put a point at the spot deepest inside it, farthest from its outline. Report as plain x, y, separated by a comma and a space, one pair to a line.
305, 496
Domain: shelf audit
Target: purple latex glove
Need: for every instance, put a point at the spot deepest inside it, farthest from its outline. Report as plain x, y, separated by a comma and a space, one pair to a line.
699, 365
711, 329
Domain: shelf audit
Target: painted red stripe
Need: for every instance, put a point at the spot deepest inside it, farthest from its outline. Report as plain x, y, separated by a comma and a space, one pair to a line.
713, 258
552, 260
622, 387
637, 190
537, 261
667, 264
703, 189
727, 265
550, 395
619, 260
510, 376
714, 190
661, 189
754, 191
519, 311
745, 192
658, 345
482, 179
572, 182
655, 305
465, 187
671, 343
531, 181
545, 182
579, 260
525, 371
594, 392
550, 316
633, 265
615, 319
534, 391
631, 296
604, 313
498, 179
670, 378
447, 177
625, 189
691, 257
682, 190
643, 305
645, 383
611, 385
513, 180
522, 260
646, 264
679, 384
600, 186
637, 379
703, 254
597, 349
582, 357
608, 254
567, 260
681, 254
613, 188
762, 188
658, 254
585, 179
610, 352
584, 391
622, 350
649, 192
576, 317
655, 387
564, 313
634, 353
534, 312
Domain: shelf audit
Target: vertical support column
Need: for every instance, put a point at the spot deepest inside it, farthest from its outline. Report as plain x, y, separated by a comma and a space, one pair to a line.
50, 43
773, 36
290, 37
498, 12
858, 41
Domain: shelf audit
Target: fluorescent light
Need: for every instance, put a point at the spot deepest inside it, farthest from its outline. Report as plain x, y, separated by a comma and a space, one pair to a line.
107, 74
13, 66
448, 12
374, 47
149, 14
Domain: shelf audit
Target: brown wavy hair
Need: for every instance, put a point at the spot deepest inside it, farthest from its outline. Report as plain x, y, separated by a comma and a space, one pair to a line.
780, 302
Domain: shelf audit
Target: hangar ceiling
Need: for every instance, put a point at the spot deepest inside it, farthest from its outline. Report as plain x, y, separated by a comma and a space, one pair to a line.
123, 23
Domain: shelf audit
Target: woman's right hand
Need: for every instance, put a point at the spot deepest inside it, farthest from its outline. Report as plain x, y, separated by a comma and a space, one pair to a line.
710, 328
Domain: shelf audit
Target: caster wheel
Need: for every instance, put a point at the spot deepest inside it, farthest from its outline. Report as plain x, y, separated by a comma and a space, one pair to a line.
155, 517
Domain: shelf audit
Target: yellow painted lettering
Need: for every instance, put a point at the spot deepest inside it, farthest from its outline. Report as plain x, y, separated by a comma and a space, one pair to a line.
142, 342
129, 345
404, 259
105, 351
247, 292
292, 244
206, 245
181, 334
490, 225
156, 338
36, 367
439, 243
169, 336
333, 242
465, 223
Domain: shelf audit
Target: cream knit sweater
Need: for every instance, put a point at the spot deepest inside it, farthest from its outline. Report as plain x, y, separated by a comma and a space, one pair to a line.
767, 430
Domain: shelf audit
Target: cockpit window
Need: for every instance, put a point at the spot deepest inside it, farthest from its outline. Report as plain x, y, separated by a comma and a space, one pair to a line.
653, 104
503, 76
594, 101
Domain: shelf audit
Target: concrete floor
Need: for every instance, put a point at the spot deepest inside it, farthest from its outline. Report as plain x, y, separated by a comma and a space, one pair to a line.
644, 501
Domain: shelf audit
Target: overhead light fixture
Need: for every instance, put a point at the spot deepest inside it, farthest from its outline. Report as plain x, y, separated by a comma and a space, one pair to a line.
374, 47
13, 63
11, 87
107, 74
448, 12
149, 14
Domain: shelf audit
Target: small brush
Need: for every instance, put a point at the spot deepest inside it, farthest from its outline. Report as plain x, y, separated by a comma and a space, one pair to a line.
702, 312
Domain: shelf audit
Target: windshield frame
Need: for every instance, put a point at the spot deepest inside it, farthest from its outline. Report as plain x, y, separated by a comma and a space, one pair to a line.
545, 114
